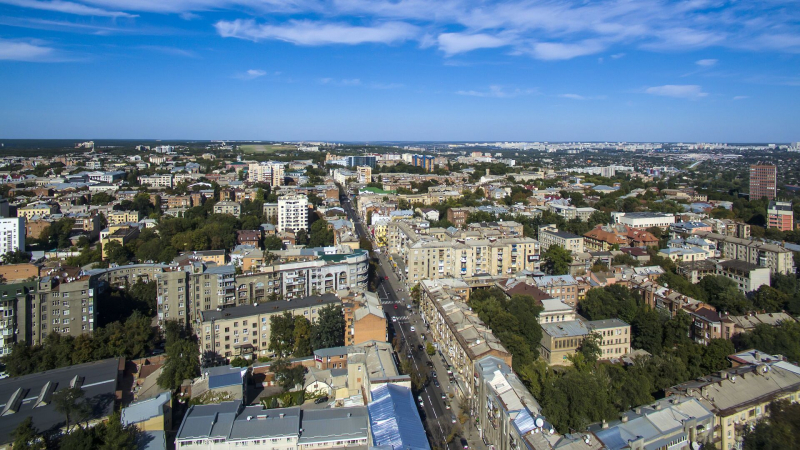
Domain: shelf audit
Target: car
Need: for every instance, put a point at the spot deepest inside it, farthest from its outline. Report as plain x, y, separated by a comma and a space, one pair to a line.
386, 277
464, 444
446, 405
395, 306
436, 383
322, 399
430, 364
394, 319
420, 347
433, 373
413, 329
453, 418
408, 306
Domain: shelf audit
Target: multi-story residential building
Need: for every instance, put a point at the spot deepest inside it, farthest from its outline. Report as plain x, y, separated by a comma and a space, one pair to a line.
183, 292
118, 217
232, 208
63, 304
672, 423
369, 320
554, 310
643, 219
561, 287
774, 257
615, 337
266, 172
364, 174
561, 340
40, 209
271, 213
292, 213
549, 235
780, 215
424, 161
245, 330
748, 277
236, 425
457, 331
763, 181
16, 302
121, 234
739, 397
12, 234
158, 181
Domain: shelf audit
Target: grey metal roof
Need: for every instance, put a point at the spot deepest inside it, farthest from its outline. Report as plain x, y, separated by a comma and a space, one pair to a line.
99, 383
394, 419
203, 421
324, 425
270, 307
256, 422
606, 323
566, 329
146, 409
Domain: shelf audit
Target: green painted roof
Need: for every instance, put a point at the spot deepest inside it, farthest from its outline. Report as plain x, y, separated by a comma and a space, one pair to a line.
375, 190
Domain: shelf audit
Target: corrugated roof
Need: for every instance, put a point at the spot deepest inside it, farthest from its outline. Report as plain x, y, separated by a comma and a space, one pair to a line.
394, 419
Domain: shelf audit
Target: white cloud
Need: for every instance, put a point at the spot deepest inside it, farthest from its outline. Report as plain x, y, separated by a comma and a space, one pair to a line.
741, 97
25, 51
66, 7
690, 91
496, 91
251, 74
706, 62
573, 96
386, 85
453, 43
558, 51
171, 51
617, 55
317, 33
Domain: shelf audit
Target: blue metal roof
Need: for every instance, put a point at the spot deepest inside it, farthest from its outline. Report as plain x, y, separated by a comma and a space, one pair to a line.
394, 420
224, 380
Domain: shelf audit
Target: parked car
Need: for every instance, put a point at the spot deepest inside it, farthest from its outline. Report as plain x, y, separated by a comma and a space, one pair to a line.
322, 399
436, 383
394, 319
433, 373
413, 329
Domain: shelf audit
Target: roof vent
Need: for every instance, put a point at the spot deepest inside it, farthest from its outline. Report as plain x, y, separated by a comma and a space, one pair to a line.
282, 415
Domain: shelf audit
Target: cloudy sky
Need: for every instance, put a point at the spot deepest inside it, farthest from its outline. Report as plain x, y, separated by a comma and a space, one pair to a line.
636, 70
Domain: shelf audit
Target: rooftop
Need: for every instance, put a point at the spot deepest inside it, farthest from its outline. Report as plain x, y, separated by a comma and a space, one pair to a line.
269, 307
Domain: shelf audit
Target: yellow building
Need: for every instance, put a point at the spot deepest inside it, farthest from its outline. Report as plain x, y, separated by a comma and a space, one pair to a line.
118, 233
118, 217
153, 414
37, 209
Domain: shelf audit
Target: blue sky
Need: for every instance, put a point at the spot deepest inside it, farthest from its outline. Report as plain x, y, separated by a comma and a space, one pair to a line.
697, 70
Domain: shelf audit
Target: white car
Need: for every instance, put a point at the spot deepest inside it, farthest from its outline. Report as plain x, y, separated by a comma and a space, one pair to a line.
413, 329
394, 319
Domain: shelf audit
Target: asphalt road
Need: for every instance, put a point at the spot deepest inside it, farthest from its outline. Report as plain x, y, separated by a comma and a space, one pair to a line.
438, 420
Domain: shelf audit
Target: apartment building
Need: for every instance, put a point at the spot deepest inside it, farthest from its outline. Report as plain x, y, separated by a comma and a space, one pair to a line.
119, 217
644, 219
429, 259
458, 216
457, 332
774, 257
157, 181
364, 174
121, 234
265, 172
12, 234
549, 235
185, 291
780, 215
561, 287
292, 213
63, 304
40, 209
271, 213
615, 337
232, 208
16, 302
739, 396
763, 181
561, 340
245, 330
748, 277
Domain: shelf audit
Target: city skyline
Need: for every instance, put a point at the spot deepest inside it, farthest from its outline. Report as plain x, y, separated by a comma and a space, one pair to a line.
413, 71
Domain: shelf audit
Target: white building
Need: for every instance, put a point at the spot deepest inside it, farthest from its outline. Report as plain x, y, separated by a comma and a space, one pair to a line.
12, 234
643, 219
292, 213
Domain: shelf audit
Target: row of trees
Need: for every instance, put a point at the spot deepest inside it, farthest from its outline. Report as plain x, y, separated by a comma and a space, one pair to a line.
296, 336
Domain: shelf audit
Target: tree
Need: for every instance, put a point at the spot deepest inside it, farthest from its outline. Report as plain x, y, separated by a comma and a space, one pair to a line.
288, 376
26, 436
769, 299
430, 349
273, 242
364, 243
70, 403
775, 431
557, 260
329, 330
18, 256
320, 235
301, 237
590, 347
239, 362
302, 337
182, 357
281, 338
115, 436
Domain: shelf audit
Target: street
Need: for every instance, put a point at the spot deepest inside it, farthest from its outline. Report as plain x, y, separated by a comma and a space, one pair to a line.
395, 298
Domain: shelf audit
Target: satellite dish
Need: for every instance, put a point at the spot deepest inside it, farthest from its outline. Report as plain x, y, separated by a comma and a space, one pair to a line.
539, 422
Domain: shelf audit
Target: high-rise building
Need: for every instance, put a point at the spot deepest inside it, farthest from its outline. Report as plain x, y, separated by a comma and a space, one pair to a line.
423, 161
355, 161
292, 213
12, 234
780, 216
265, 172
364, 174
763, 178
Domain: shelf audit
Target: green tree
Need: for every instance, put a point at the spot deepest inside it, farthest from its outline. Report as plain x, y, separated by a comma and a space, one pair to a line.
301, 237
287, 375
320, 235
302, 337
328, 331
590, 347
182, 357
281, 338
273, 242
25, 435
115, 436
769, 299
775, 431
557, 260
70, 403
18, 256
430, 349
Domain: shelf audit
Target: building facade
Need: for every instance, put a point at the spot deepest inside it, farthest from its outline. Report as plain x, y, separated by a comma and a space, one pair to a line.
292, 213
549, 235
780, 215
763, 181
12, 234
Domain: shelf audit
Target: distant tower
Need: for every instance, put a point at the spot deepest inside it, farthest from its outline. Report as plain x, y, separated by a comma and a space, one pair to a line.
763, 178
